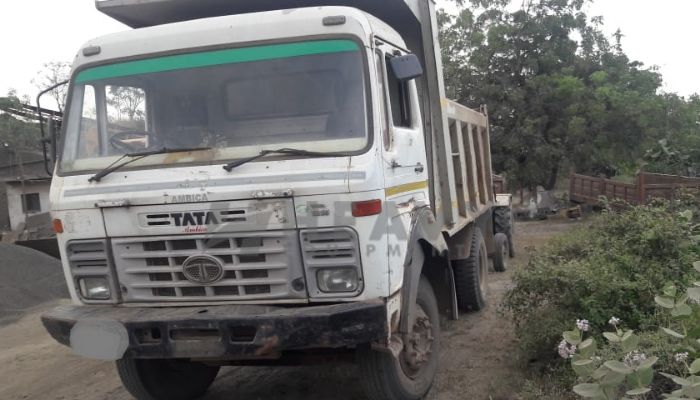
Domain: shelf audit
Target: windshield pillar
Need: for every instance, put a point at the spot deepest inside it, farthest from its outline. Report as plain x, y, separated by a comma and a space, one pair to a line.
102, 118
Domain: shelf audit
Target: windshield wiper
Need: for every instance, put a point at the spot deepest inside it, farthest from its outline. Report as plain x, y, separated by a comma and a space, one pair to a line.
294, 152
133, 157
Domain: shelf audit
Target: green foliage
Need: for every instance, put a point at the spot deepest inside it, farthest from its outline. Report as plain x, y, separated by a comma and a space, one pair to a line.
683, 329
603, 378
683, 160
623, 367
651, 345
555, 101
614, 266
618, 266
15, 133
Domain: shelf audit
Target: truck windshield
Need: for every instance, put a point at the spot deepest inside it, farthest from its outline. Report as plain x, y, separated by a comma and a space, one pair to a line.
238, 102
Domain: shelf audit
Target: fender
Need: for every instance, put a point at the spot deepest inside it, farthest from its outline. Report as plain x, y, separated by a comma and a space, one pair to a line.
459, 243
425, 242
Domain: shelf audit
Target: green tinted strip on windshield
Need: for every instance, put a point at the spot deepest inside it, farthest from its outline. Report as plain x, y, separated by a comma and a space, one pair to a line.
217, 57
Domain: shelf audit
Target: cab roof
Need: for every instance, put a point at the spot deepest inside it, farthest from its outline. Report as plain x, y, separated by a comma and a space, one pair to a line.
236, 29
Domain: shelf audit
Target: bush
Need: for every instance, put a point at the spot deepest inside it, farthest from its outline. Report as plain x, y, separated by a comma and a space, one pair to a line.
624, 368
613, 266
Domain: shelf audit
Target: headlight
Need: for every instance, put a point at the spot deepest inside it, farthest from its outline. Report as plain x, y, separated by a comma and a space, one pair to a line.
95, 288
337, 280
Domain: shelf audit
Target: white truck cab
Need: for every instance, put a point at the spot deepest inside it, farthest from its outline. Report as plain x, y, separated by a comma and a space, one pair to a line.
245, 180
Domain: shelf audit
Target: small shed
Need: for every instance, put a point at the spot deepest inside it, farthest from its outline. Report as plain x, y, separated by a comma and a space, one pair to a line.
26, 196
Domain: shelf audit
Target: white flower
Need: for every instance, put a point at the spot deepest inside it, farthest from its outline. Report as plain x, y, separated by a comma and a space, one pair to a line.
614, 321
634, 359
582, 325
681, 357
565, 350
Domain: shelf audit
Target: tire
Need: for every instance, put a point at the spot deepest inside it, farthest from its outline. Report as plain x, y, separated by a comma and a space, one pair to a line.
470, 275
503, 223
385, 377
501, 252
165, 379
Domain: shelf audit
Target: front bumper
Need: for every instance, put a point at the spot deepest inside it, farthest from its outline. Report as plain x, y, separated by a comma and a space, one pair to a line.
235, 332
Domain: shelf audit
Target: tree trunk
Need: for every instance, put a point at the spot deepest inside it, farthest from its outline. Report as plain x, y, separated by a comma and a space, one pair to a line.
553, 175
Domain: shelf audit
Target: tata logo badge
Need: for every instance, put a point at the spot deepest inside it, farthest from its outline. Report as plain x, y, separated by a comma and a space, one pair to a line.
203, 269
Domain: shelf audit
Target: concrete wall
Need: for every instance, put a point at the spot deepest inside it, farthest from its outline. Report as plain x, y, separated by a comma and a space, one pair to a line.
14, 199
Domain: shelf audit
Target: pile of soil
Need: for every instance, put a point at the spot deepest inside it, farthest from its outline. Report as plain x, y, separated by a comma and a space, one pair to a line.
27, 278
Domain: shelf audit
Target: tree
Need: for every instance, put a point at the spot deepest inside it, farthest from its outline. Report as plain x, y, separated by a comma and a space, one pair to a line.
53, 73
559, 94
127, 101
17, 133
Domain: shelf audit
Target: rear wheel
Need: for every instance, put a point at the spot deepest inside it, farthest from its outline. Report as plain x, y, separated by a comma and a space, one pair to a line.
470, 275
165, 379
410, 376
501, 253
503, 223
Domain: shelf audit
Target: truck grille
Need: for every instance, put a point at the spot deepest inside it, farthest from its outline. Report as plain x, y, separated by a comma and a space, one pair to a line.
90, 258
334, 247
330, 248
256, 266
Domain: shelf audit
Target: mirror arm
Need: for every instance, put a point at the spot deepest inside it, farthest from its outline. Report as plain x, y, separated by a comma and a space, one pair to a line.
44, 139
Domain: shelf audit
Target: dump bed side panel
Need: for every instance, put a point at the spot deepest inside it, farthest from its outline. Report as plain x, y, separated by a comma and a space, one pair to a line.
469, 150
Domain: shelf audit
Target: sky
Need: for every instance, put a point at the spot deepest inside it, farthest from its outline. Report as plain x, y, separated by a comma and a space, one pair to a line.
33, 32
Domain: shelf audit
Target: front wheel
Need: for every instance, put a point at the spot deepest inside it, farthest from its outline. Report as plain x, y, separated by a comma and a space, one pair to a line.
410, 376
165, 379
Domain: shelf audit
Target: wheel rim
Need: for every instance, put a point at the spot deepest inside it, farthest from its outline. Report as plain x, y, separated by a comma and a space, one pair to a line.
505, 253
417, 352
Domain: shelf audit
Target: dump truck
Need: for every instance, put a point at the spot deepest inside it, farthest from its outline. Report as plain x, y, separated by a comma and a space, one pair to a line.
247, 182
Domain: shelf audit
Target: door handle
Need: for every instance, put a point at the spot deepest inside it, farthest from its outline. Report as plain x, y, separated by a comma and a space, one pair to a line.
419, 169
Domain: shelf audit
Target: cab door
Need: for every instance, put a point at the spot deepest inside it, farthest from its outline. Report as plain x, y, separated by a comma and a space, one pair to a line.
404, 158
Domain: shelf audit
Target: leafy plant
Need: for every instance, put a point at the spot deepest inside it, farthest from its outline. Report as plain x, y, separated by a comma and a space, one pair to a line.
607, 379
610, 379
684, 327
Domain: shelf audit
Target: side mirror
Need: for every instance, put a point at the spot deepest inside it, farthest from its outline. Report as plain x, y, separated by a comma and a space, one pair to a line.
406, 67
49, 140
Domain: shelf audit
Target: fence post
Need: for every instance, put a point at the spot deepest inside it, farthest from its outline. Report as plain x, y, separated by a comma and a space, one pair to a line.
571, 185
641, 190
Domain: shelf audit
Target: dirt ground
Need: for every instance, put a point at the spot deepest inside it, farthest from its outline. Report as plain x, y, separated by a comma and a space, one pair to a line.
476, 362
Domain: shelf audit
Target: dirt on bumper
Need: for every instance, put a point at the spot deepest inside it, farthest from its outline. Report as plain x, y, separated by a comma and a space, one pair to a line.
236, 332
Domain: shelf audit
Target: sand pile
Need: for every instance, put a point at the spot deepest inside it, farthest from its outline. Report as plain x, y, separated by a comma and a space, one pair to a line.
27, 279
